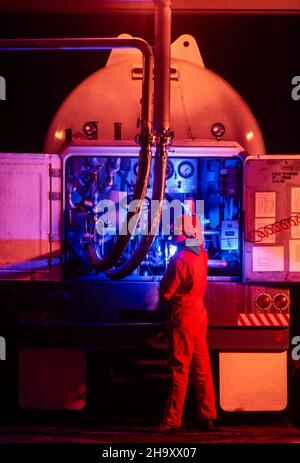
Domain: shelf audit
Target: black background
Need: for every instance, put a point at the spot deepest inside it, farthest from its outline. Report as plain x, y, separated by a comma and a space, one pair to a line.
258, 55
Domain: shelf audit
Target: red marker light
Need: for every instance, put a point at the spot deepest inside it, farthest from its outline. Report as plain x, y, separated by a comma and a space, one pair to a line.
263, 301
280, 301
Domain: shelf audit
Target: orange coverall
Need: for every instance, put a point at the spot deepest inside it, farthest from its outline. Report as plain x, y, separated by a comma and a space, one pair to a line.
183, 285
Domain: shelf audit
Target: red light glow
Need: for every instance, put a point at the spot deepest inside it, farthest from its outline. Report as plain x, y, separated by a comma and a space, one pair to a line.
263, 301
280, 301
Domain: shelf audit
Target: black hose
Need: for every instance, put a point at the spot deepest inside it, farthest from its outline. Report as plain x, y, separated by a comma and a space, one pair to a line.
139, 194
146, 241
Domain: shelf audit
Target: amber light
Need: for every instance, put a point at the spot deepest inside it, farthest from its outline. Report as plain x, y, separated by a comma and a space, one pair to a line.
263, 301
280, 301
218, 130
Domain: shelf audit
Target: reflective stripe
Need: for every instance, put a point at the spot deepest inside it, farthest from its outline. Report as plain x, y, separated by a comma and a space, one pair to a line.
245, 320
270, 319
254, 320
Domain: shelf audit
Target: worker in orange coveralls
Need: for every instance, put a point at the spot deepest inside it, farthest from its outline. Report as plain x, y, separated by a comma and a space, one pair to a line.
183, 287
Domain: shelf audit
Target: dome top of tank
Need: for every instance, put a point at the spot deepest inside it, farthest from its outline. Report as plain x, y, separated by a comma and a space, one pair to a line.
199, 99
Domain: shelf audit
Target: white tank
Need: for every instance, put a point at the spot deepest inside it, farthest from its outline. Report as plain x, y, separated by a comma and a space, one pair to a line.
199, 99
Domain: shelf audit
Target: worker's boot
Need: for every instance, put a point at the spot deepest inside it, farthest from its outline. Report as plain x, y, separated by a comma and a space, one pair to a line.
162, 428
205, 425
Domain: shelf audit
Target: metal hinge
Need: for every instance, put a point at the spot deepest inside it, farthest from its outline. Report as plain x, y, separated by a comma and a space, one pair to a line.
55, 172
54, 196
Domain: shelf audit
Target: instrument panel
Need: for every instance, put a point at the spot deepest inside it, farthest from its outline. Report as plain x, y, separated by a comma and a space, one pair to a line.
181, 176
99, 191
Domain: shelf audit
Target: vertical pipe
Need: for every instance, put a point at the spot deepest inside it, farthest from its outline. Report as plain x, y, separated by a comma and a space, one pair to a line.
163, 136
162, 62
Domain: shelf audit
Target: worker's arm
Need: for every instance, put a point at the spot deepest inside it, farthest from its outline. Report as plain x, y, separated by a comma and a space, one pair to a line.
171, 279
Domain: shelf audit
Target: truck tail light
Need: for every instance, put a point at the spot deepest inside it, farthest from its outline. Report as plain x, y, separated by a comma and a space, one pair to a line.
263, 301
280, 301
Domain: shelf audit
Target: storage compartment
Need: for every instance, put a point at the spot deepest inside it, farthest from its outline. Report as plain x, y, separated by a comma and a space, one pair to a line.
272, 226
30, 227
99, 191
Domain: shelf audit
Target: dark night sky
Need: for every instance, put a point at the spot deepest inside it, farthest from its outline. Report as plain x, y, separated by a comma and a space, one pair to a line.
259, 56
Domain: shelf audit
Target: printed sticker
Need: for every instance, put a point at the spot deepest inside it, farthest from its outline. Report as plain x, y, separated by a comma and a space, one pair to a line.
268, 259
265, 204
294, 261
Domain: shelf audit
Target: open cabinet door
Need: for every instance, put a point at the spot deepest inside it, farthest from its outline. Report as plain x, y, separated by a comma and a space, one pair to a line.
30, 211
272, 218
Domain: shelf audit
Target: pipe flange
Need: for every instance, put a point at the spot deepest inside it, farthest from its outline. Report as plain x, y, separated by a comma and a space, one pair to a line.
164, 136
143, 139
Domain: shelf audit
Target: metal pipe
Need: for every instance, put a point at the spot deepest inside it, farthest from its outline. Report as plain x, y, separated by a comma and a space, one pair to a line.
162, 61
215, 263
162, 65
94, 43
145, 137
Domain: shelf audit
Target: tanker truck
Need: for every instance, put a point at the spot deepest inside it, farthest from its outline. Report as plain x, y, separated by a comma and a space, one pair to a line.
62, 211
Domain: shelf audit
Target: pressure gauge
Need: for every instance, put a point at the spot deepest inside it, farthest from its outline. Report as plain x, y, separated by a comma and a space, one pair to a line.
170, 170
186, 169
135, 168
75, 198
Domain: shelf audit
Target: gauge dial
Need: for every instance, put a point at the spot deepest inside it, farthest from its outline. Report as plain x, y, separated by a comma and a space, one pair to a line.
75, 198
170, 170
135, 168
186, 169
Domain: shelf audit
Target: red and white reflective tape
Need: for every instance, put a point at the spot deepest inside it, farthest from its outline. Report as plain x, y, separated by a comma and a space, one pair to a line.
269, 319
